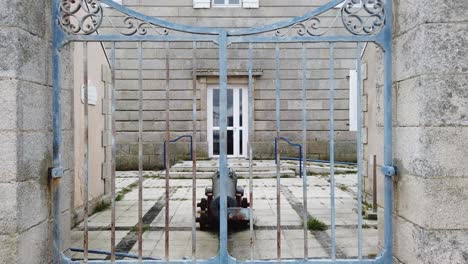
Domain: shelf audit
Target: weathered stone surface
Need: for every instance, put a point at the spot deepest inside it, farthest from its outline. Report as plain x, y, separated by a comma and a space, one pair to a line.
32, 201
19, 56
436, 100
26, 138
17, 13
8, 214
8, 250
432, 151
439, 203
34, 244
413, 244
439, 49
428, 11
8, 96
8, 145
34, 153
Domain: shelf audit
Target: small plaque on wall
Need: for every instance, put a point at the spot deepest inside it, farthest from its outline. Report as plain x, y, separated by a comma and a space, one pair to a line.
92, 94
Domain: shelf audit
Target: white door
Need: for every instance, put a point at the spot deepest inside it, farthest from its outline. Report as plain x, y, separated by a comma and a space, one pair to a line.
237, 131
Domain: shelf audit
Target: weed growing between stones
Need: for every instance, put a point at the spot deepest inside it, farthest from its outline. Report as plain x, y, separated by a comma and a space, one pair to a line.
101, 206
313, 224
126, 190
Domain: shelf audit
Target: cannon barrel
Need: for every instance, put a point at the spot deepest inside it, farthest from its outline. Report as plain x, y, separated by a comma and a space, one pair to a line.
231, 192
238, 212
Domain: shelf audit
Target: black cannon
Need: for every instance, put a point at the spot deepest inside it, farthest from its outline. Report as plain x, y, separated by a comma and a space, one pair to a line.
237, 204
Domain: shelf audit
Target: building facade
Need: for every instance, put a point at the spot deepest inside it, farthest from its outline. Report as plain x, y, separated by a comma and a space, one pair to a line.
229, 15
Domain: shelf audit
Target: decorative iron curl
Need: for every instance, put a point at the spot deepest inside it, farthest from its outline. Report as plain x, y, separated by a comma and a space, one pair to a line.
80, 17
363, 17
135, 26
311, 26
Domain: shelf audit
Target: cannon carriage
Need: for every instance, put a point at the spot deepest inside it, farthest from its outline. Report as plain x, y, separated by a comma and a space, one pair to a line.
237, 204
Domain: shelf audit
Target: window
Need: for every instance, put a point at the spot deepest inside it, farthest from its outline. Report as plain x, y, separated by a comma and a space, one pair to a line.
197, 4
226, 3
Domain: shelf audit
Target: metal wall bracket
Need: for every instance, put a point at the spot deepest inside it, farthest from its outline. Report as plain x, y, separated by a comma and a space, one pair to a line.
56, 173
389, 171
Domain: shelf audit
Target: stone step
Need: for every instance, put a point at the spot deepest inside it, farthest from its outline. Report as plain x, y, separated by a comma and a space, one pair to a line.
262, 168
242, 175
178, 168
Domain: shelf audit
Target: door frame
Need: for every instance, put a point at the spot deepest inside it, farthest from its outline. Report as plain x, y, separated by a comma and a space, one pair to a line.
238, 130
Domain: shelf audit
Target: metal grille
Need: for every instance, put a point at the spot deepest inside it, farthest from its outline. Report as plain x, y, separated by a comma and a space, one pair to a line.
362, 22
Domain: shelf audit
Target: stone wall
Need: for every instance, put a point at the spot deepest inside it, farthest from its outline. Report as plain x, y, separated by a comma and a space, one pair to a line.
430, 131
264, 87
26, 133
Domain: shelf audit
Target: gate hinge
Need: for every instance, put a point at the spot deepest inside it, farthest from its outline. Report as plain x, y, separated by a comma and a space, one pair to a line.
389, 171
56, 173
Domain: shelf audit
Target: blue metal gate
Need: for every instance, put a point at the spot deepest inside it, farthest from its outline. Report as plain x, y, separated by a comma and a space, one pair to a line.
364, 21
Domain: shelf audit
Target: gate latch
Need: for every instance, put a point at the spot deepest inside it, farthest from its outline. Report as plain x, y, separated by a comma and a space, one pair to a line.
389, 171
55, 173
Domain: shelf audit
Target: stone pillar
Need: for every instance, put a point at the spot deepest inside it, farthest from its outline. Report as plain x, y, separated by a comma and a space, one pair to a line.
26, 133
431, 131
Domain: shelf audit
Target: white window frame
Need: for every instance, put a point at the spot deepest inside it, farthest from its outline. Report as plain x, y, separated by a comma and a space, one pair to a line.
226, 4
244, 129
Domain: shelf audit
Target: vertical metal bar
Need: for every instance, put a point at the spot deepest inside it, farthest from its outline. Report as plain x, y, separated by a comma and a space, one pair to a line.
388, 132
113, 163
359, 146
57, 129
276, 150
140, 151
304, 149
251, 136
300, 161
278, 163
374, 184
193, 149
332, 146
164, 153
86, 150
168, 165
223, 251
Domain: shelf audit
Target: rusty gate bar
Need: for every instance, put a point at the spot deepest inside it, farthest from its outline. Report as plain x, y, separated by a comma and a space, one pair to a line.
140, 150
332, 146
113, 163
278, 155
380, 33
56, 171
250, 148
168, 162
86, 150
194, 151
359, 147
304, 149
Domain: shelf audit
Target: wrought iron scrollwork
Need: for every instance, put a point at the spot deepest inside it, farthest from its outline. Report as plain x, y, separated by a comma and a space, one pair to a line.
311, 26
80, 17
134, 26
363, 17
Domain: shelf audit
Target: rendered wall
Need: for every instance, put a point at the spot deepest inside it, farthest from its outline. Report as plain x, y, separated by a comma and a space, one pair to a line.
99, 160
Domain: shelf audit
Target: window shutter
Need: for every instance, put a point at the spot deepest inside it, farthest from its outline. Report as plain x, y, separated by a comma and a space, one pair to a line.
201, 3
251, 3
